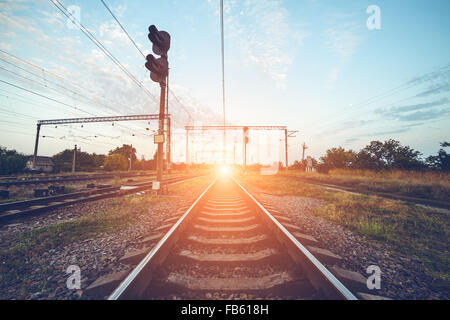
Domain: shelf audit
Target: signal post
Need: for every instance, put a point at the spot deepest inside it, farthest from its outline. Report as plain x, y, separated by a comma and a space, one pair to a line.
159, 70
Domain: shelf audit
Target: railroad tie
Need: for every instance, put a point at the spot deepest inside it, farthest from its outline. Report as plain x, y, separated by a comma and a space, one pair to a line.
257, 256
230, 284
228, 241
227, 229
325, 256
226, 221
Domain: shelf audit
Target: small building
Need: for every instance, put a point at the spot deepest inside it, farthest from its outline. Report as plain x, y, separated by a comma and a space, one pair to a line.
43, 164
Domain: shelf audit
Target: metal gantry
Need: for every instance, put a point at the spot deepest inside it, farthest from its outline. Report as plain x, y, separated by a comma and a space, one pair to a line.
287, 134
91, 120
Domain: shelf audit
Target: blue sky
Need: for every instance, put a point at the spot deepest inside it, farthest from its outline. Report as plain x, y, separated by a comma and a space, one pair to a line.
311, 65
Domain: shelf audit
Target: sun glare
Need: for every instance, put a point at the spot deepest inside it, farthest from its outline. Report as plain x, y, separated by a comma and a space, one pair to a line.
224, 171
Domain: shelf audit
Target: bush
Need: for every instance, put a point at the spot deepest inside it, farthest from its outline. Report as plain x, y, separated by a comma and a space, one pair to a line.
12, 162
115, 162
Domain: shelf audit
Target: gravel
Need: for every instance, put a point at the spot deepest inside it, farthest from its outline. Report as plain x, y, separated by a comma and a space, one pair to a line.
401, 277
95, 256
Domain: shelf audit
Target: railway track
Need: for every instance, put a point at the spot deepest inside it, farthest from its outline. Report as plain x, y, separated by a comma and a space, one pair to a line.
228, 245
14, 210
409, 199
62, 179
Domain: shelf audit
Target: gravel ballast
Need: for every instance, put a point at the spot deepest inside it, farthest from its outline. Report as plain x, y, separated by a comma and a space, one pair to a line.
95, 255
401, 277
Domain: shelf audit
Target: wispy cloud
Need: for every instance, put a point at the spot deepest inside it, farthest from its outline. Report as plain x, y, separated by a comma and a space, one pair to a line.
413, 107
120, 10
343, 39
425, 115
434, 90
259, 29
442, 74
344, 126
414, 112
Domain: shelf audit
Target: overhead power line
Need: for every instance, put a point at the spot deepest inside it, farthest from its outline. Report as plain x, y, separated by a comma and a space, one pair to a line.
65, 88
94, 40
46, 97
123, 29
140, 51
58, 76
223, 77
361, 106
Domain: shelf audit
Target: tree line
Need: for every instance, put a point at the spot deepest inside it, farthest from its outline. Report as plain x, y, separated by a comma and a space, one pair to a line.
118, 159
377, 156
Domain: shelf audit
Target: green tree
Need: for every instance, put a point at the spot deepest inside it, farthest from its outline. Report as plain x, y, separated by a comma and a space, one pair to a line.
388, 155
115, 162
84, 161
442, 160
146, 164
337, 158
125, 150
12, 162
63, 160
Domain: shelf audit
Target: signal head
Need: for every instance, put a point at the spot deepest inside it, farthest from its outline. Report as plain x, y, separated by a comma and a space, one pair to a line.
160, 40
159, 68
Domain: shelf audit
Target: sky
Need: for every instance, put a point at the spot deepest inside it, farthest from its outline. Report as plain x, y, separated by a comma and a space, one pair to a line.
319, 67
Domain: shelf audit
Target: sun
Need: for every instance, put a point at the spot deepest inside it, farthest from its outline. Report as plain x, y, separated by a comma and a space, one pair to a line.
224, 171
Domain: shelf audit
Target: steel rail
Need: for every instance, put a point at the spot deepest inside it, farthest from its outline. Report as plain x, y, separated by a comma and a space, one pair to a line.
21, 209
61, 179
141, 276
322, 279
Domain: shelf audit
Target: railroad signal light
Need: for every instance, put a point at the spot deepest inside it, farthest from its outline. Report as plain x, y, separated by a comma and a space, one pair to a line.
159, 68
160, 40
246, 135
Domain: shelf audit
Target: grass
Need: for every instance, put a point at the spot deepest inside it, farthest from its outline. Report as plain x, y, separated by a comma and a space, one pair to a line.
429, 185
410, 230
12, 200
70, 189
25, 254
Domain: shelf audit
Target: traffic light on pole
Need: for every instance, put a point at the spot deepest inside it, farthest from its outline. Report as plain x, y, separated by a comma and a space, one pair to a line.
246, 135
159, 68
160, 40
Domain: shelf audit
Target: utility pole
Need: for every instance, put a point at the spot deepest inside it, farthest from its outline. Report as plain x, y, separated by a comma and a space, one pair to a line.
223, 82
131, 157
304, 147
74, 161
234, 152
286, 147
160, 154
246, 139
38, 129
187, 147
168, 144
169, 139
159, 71
245, 157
